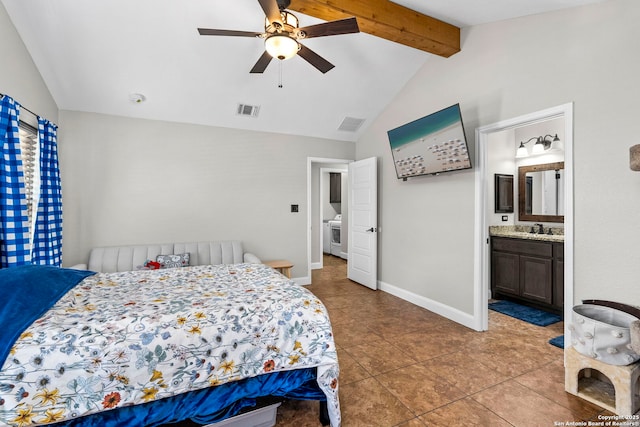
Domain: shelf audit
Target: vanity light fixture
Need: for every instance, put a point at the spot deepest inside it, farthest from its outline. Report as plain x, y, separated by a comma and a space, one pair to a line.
543, 143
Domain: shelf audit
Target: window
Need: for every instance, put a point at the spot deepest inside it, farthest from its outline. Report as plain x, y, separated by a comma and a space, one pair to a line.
29, 152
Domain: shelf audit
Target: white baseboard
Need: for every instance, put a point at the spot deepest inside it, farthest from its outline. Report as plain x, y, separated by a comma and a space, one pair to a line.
450, 313
316, 265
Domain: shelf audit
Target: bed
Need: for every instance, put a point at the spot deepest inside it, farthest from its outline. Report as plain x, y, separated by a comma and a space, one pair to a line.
155, 347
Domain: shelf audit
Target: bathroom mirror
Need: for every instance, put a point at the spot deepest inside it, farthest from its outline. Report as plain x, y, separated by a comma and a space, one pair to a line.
504, 193
541, 192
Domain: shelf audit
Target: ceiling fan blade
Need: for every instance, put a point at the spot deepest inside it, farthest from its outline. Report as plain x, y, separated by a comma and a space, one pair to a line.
271, 10
212, 32
332, 28
262, 63
314, 59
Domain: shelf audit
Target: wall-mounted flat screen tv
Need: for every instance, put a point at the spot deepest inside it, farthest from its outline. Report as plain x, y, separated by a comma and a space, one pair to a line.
431, 145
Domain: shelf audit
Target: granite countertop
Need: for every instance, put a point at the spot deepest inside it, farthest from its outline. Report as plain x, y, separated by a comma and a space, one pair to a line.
523, 232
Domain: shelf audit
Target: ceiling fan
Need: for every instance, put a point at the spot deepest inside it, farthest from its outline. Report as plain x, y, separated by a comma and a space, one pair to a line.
282, 35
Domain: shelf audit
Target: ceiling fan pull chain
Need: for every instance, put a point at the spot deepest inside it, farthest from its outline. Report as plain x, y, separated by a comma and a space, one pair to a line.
280, 74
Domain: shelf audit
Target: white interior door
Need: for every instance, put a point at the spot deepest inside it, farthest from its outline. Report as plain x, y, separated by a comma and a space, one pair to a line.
363, 222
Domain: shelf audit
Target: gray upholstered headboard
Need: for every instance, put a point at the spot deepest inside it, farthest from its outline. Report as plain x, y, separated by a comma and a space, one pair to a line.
129, 258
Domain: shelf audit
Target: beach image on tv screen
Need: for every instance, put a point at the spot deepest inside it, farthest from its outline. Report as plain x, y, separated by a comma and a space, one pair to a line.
432, 144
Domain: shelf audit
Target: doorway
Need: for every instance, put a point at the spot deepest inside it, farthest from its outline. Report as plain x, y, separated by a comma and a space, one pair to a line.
359, 230
317, 169
482, 179
332, 201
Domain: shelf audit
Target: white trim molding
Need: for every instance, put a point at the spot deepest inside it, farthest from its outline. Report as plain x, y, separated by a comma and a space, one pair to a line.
443, 310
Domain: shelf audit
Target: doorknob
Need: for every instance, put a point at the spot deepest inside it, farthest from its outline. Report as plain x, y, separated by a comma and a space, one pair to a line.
371, 230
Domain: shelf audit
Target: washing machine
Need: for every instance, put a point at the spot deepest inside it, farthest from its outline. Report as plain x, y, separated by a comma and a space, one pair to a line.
326, 236
335, 225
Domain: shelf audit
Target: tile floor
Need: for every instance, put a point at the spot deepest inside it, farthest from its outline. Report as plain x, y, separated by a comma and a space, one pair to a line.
401, 365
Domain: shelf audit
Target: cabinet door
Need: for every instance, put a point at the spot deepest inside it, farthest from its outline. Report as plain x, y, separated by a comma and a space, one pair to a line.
335, 187
535, 278
558, 275
558, 284
505, 273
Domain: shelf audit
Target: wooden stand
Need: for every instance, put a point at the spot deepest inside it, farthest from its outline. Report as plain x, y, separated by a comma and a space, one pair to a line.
612, 387
282, 265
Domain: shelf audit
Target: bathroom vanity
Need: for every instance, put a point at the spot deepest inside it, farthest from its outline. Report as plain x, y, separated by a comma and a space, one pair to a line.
528, 267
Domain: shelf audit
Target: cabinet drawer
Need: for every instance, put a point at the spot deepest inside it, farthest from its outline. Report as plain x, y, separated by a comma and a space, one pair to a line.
526, 247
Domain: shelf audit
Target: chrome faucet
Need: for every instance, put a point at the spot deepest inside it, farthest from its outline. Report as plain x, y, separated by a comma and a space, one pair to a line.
540, 228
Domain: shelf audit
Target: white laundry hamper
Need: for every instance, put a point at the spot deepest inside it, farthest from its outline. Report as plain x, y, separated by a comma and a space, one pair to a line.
601, 330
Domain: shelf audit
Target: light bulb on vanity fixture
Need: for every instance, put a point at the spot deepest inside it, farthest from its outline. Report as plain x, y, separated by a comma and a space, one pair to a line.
543, 144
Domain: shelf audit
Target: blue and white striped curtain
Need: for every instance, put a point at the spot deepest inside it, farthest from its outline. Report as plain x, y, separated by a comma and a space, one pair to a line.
47, 239
14, 222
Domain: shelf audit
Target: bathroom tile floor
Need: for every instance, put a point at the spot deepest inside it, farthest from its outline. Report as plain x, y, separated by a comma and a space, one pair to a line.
401, 365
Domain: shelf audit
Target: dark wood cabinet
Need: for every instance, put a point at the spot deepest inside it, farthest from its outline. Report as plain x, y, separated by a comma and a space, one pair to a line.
505, 269
335, 187
536, 276
528, 270
558, 274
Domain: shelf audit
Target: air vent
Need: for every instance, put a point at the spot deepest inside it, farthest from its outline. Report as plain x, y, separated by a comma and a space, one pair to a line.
248, 110
350, 124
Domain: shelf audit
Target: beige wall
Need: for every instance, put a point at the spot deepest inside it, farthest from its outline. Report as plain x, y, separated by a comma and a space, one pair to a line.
19, 77
500, 160
120, 185
131, 181
587, 56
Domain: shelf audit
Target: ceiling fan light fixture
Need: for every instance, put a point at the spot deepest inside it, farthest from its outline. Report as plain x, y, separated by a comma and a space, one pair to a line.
281, 46
289, 20
282, 33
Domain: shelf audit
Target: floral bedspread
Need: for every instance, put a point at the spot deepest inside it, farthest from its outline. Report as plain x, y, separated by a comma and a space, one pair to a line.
126, 338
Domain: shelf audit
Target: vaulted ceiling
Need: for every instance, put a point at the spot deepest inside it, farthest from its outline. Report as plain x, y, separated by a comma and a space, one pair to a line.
94, 55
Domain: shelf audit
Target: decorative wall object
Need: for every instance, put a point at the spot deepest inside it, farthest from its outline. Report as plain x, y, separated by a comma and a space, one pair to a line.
504, 193
634, 154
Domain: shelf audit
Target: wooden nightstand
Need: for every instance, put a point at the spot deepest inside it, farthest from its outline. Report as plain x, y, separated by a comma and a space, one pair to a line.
282, 265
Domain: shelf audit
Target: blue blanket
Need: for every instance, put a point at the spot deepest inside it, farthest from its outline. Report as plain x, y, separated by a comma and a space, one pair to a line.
208, 405
27, 292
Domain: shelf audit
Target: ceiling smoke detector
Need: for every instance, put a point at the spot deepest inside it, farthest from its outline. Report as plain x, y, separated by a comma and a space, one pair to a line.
137, 98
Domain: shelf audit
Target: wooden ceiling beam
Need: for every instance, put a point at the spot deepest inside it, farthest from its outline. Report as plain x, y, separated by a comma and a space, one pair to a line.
388, 20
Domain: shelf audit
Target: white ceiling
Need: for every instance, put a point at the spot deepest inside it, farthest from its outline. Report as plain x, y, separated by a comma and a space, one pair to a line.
94, 54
